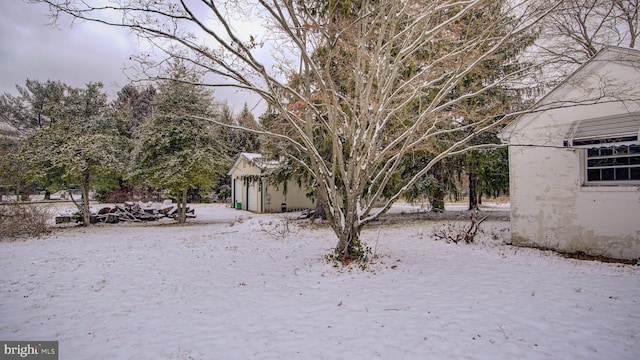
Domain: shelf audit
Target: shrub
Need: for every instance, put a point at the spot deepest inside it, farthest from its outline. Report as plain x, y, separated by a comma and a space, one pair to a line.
456, 233
18, 220
280, 229
359, 254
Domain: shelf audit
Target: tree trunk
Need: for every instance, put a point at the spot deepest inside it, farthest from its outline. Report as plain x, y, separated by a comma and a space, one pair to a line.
437, 195
86, 212
319, 212
346, 225
182, 207
473, 191
47, 195
350, 247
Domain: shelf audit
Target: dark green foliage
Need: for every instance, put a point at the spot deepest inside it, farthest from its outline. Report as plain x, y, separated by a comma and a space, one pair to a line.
487, 170
132, 106
174, 149
238, 140
81, 148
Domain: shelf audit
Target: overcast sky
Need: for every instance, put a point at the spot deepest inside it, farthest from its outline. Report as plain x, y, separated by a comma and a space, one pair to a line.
32, 49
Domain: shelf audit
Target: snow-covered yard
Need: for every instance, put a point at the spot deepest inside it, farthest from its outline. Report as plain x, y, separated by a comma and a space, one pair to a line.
222, 287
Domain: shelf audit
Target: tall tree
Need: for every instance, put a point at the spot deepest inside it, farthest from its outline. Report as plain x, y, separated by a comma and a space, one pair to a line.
504, 98
175, 150
237, 139
9, 164
487, 171
368, 123
39, 105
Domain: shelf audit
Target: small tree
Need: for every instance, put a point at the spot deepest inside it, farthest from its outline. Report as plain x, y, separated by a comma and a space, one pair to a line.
173, 150
80, 149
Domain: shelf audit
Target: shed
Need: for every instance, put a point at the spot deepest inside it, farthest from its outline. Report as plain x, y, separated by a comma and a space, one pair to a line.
574, 162
252, 187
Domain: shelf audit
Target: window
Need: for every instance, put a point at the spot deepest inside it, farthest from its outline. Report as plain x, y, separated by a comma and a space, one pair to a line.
613, 165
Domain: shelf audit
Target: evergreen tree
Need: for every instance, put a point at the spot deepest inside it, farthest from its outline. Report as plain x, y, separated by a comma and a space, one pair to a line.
505, 98
239, 141
132, 106
174, 151
38, 105
81, 148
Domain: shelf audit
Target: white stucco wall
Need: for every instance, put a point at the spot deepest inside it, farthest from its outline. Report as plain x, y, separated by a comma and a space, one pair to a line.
550, 205
550, 208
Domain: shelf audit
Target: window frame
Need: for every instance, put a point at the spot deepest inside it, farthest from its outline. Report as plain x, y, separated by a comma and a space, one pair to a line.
585, 158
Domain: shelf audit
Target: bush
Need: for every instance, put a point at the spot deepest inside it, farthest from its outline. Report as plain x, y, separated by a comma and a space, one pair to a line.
18, 220
224, 193
456, 233
280, 229
359, 253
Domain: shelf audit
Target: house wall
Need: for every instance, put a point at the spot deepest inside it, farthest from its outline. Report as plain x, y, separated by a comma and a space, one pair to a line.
550, 206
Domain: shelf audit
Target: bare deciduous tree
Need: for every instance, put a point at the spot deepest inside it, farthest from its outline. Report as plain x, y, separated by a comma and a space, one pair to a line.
377, 79
578, 29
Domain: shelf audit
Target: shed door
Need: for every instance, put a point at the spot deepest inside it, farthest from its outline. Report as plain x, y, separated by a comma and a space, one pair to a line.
254, 190
237, 190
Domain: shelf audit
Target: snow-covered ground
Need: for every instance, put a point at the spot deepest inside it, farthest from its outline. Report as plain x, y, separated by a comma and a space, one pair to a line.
231, 285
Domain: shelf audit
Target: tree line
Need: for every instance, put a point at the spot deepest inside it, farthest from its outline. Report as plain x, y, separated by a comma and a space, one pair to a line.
75, 138
371, 100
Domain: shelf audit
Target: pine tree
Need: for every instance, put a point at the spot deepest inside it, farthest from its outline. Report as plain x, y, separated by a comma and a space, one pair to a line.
132, 106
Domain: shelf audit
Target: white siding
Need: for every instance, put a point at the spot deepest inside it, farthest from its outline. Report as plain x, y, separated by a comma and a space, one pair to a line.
295, 197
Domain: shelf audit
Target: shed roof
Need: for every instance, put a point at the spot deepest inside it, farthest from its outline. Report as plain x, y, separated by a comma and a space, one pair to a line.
258, 161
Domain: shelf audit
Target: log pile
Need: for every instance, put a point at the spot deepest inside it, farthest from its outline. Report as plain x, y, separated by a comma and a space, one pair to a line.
130, 211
